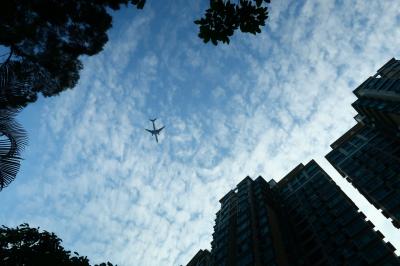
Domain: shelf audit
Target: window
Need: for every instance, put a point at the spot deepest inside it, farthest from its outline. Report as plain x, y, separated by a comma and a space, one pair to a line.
357, 141
339, 239
393, 201
243, 226
362, 240
355, 227
263, 221
312, 170
335, 156
340, 208
243, 236
335, 201
242, 217
380, 193
264, 231
268, 254
245, 260
346, 217
376, 252
243, 247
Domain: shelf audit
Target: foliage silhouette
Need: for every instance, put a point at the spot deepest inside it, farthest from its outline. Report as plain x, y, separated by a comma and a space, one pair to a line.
13, 140
24, 245
223, 18
45, 40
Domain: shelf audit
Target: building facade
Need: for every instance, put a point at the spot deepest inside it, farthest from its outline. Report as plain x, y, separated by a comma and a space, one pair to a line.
248, 228
304, 219
368, 155
329, 228
202, 258
370, 160
378, 99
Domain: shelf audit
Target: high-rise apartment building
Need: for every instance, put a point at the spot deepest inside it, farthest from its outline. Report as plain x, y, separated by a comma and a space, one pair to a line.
304, 219
329, 228
368, 155
202, 258
249, 229
370, 160
378, 99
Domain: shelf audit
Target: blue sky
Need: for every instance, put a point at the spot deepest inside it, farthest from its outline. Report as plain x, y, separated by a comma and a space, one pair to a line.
259, 106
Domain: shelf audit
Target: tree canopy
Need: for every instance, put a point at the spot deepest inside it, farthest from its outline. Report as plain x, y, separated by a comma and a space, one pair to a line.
45, 40
28, 246
223, 18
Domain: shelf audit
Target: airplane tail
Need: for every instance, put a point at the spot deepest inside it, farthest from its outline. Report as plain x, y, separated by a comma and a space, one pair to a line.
152, 120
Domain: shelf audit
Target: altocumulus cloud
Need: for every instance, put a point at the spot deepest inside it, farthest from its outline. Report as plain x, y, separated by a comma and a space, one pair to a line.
257, 107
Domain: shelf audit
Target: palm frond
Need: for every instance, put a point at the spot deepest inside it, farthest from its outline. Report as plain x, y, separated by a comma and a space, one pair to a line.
16, 82
13, 139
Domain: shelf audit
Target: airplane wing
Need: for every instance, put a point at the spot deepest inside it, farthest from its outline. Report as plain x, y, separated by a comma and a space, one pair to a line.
151, 131
159, 130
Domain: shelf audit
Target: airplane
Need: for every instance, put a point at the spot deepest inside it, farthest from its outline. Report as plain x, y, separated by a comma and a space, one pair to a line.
155, 132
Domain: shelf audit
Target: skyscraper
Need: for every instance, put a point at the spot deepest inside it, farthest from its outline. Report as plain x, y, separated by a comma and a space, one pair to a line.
249, 229
368, 155
378, 99
329, 228
304, 219
202, 258
370, 160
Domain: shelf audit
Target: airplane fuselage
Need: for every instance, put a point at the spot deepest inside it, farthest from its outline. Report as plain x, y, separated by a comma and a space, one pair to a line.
155, 132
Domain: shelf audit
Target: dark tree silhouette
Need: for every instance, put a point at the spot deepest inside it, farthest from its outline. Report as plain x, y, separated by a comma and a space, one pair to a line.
223, 18
45, 40
24, 245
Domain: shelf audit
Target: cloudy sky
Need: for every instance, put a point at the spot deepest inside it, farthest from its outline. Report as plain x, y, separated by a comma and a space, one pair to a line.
259, 106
